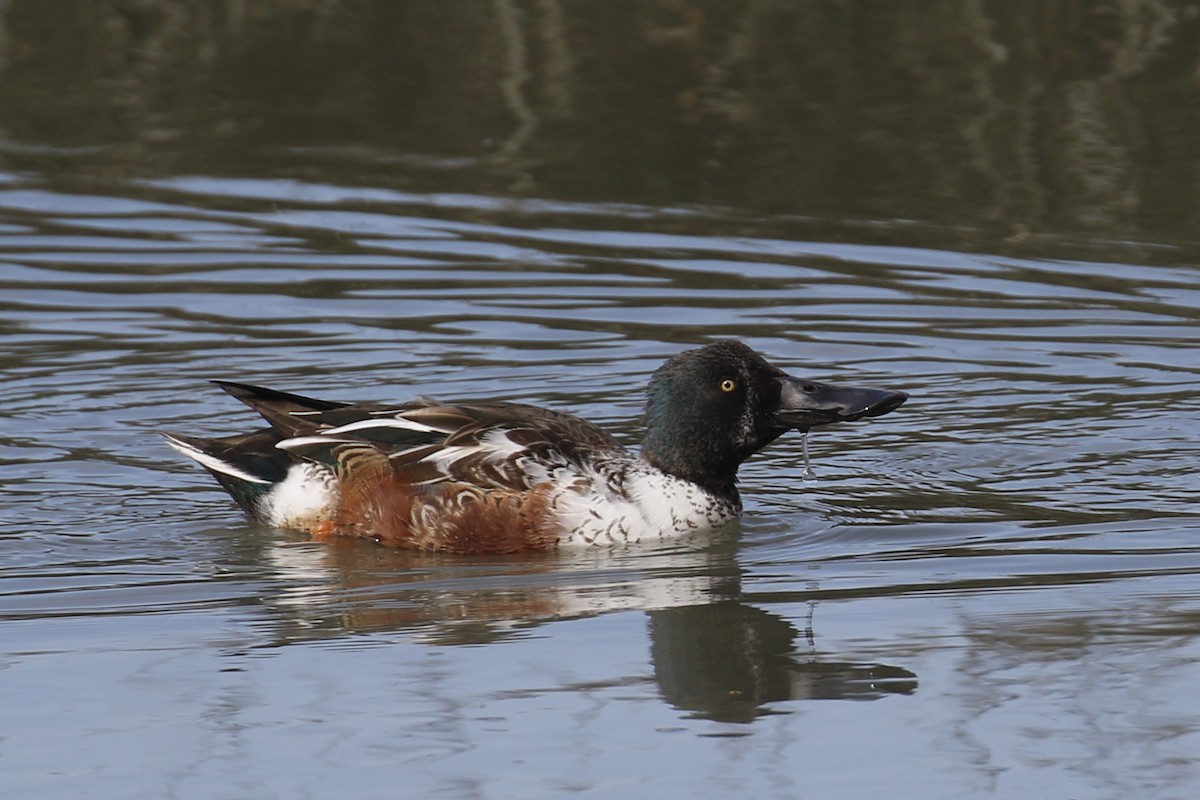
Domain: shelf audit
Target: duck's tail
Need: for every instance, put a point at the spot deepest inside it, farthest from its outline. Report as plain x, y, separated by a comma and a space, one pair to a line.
248, 466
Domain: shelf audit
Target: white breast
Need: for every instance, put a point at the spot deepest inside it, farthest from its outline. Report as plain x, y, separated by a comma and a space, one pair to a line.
632, 502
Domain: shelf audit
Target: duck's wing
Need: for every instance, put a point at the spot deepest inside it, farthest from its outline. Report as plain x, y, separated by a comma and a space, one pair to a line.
425, 442
289, 413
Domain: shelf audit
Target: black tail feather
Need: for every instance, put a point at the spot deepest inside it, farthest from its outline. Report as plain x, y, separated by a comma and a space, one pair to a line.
254, 396
277, 407
247, 465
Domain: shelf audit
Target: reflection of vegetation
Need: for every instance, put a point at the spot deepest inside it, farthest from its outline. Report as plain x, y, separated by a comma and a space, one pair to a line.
1027, 113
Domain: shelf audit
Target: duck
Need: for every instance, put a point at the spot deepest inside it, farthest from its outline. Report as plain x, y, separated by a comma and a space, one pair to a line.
502, 477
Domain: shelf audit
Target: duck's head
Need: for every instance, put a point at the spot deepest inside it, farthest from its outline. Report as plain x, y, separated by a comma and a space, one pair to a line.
709, 409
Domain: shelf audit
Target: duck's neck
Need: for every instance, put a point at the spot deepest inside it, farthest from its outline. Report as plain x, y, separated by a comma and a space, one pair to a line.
716, 476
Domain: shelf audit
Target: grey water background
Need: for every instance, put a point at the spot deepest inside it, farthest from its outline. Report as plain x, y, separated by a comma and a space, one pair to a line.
993, 592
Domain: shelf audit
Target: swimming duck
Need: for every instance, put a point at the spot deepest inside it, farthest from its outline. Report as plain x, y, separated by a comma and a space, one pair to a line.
506, 477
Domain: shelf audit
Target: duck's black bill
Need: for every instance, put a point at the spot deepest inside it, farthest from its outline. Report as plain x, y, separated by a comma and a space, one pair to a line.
804, 404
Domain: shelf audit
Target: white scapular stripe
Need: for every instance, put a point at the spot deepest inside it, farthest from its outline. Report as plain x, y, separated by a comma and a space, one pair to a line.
301, 441
446, 456
494, 445
368, 424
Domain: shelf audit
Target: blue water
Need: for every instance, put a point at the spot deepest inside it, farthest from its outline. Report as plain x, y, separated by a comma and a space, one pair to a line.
994, 591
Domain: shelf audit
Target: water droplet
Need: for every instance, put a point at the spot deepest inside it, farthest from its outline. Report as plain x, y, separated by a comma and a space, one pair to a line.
808, 475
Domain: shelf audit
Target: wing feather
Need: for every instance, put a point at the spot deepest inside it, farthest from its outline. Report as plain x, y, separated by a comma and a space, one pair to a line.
502, 445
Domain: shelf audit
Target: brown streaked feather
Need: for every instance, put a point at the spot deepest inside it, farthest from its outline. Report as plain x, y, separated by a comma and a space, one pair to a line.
380, 503
392, 487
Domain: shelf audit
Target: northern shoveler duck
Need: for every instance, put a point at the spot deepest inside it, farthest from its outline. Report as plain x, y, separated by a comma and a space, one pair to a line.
505, 477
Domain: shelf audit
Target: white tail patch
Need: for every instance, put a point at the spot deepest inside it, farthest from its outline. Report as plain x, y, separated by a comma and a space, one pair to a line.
211, 461
301, 499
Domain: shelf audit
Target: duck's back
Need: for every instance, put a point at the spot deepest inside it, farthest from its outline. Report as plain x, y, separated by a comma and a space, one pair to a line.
497, 477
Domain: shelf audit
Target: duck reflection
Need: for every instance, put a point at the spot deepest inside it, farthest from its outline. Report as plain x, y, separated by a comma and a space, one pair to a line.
713, 654
727, 661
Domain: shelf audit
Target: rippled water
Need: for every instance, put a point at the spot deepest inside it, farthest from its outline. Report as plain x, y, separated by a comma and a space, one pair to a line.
1006, 568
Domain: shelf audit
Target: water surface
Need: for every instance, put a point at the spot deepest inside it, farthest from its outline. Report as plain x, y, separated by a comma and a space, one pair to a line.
1006, 569
992, 592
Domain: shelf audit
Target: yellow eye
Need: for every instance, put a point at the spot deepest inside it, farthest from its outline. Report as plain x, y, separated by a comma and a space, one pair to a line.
727, 385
